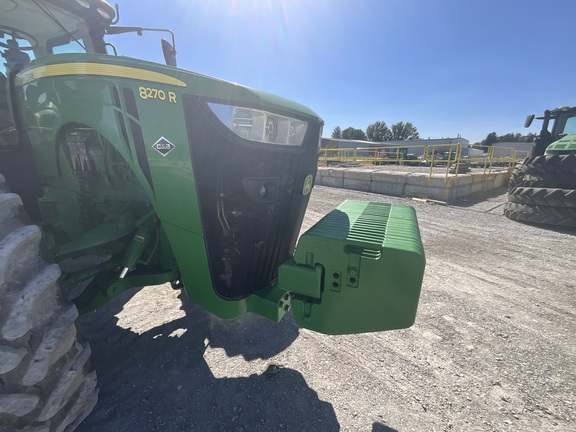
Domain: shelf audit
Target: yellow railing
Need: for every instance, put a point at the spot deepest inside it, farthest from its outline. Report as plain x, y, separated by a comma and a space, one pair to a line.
450, 157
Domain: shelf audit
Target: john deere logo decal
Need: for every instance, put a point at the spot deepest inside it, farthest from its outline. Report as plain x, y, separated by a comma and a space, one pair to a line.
307, 185
163, 146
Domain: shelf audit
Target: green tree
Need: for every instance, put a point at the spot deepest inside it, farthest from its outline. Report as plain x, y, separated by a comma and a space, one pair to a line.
353, 134
528, 138
404, 131
490, 139
378, 131
509, 137
337, 132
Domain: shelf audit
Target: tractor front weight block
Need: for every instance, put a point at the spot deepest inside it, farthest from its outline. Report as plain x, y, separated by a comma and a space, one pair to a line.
359, 269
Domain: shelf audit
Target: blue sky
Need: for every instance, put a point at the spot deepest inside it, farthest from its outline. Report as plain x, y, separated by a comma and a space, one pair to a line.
450, 67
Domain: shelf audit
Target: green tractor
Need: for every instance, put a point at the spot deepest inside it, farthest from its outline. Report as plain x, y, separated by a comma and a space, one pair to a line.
542, 188
120, 173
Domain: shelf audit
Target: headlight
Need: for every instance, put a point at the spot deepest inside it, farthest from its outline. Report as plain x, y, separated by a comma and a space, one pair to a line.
261, 126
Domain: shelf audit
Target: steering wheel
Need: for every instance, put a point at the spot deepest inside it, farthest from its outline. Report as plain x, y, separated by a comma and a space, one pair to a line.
19, 35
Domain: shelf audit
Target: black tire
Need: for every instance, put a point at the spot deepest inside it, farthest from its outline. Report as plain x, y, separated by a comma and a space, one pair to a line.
550, 180
543, 197
516, 178
46, 381
550, 164
558, 172
541, 214
463, 168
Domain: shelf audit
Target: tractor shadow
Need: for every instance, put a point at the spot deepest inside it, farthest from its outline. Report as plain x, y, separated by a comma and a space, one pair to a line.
487, 199
155, 381
379, 427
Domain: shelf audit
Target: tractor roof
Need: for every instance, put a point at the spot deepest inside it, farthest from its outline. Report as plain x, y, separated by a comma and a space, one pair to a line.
560, 110
563, 109
26, 19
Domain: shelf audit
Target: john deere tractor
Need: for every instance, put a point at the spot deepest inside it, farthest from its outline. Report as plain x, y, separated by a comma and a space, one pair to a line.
542, 188
119, 173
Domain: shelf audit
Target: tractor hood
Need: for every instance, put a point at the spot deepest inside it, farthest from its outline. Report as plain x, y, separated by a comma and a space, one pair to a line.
79, 64
565, 145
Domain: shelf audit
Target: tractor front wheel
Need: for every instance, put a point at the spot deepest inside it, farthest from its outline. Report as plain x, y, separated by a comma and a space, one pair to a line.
46, 381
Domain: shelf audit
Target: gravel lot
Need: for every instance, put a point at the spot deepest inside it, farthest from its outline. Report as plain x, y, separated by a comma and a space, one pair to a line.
493, 347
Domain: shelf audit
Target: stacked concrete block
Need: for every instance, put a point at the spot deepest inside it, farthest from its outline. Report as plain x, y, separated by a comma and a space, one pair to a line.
411, 184
387, 183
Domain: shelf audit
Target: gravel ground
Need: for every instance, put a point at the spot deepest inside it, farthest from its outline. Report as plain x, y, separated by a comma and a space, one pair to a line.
493, 347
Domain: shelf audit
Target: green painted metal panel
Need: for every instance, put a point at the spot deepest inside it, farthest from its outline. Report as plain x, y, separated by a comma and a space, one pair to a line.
373, 263
189, 250
190, 253
564, 144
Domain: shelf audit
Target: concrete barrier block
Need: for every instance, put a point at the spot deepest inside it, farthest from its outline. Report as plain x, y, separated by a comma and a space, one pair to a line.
477, 177
359, 174
488, 184
437, 186
385, 188
501, 180
437, 193
336, 172
388, 177
463, 179
337, 182
418, 179
461, 190
425, 180
359, 185
476, 187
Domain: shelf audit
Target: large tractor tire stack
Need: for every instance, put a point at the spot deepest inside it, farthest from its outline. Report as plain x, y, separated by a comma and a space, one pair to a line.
542, 190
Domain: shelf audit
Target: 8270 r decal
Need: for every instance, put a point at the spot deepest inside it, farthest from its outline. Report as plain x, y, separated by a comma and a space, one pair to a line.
153, 93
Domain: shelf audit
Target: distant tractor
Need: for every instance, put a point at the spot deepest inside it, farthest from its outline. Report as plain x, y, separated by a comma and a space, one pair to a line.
542, 189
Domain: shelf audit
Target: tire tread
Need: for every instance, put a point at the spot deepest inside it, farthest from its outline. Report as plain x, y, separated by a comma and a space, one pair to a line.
46, 380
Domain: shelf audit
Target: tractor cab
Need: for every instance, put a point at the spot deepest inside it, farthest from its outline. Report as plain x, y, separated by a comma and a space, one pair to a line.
36, 29
31, 31
12, 57
560, 137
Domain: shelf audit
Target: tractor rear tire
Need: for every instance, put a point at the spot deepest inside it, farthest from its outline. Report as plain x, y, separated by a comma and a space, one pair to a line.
543, 197
559, 216
46, 380
556, 180
550, 164
516, 178
557, 171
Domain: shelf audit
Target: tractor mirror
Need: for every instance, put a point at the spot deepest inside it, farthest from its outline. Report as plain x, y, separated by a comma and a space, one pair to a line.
528, 120
169, 53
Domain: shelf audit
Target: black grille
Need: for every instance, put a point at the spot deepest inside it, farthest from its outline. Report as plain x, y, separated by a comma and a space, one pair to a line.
250, 198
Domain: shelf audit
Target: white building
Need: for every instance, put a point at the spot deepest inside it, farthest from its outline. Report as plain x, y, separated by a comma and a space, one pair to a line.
417, 146
507, 148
